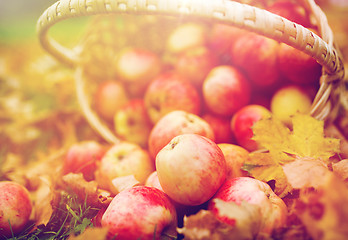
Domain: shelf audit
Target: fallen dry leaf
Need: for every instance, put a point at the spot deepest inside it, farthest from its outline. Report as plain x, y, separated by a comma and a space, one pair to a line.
91, 234
341, 169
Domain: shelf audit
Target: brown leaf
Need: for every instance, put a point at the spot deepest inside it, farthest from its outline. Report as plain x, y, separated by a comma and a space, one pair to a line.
91, 234
341, 169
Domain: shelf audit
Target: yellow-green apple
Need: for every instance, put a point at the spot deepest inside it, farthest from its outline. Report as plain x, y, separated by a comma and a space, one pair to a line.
257, 56
242, 122
136, 67
272, 208
186, 36
225, 90
173, 124
235, 157
191, 168
221, 127
124, 159
132, 123
83, 157
195, 64
288, 101
109, 97
153, 181
140, 213
171, 92
292, 11
297, 66
15, 208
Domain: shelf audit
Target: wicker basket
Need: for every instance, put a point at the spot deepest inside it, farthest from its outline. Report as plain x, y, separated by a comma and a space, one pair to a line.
322, 49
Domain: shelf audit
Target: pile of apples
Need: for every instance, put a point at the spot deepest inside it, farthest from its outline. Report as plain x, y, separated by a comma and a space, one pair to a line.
185, 120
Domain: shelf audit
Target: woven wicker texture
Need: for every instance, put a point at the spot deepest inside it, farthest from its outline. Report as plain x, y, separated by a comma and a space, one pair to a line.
233, 13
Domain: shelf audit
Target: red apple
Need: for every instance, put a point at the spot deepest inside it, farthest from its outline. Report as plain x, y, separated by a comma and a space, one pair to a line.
235, 157
140, 213
15, 208
109, 97
132, 123
176, 123
225, 90
272, 208
291, 11
191, 168
137, 67
221, 127
153, 181
297, 66
82, 157
171, 92
257, 56
288, 101
242, 122
195, 64
124, 159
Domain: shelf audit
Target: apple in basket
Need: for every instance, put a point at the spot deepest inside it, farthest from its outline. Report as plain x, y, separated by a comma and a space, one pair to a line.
132, 123
82, 157
271, 207
288, 101
170, 92
191, 168
15, 208
225, 90
136, 67
140, 212
256, 55
124, 159
173, 124
242, 122
109, 97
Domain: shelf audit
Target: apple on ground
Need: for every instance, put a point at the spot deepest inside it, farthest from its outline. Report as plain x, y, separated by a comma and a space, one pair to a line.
82, 157
256, 55
242, 122
288, 101
291, 11
225, 90
235, 157
195, 64
124, 159
109, 97
272, 208
136, 67
132, 124
185, 37
140, 213
171, 92
173, 124
221, 127
191, 168
15, 208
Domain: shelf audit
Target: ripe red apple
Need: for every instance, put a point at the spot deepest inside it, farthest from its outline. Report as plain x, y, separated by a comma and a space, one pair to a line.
235, 157
291, 11
288, 101
140, 213
82, 157
195, 64
225, 90
257, 56
15, 208
171, 92
173, 124
221, 127
137, 67
132, 123
297, 66
272, 208
242, 122
124, 159
191, 168
186, 36
109, 97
